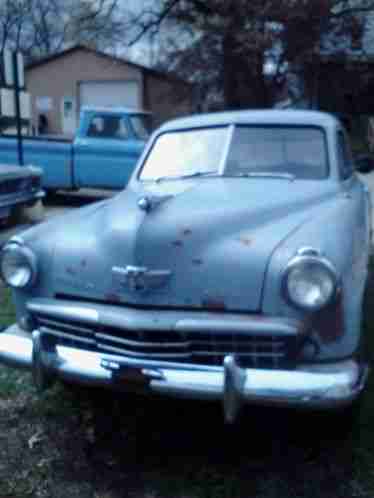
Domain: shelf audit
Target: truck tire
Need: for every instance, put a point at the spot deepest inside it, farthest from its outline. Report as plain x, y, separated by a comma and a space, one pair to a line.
50, 192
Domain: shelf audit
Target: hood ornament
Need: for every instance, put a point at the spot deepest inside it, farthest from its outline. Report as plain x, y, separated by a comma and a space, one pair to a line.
145, 204
149, 202
140, 278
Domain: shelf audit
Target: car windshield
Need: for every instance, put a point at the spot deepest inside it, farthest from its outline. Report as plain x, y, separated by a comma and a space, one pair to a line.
184, 153
296, 151
266, 152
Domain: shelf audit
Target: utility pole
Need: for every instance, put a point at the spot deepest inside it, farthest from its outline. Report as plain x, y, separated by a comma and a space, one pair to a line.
14, 100
17, 101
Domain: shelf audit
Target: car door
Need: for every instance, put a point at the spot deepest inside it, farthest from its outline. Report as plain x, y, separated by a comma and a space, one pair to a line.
106, 156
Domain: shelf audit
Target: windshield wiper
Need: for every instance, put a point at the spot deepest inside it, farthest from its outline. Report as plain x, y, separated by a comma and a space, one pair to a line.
265, 174
195, 174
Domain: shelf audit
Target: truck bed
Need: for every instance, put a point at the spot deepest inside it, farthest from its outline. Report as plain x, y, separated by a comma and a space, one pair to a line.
53, 155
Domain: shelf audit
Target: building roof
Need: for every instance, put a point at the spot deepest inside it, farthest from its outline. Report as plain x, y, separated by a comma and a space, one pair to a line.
254, 117
120, 60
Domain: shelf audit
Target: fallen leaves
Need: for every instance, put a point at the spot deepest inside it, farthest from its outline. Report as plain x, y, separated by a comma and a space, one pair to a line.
36, 439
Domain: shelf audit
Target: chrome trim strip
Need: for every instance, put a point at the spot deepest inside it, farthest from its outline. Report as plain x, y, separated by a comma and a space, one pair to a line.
69, 312
137, 354
261, 325
225, 155
181, 321
58, 325
64, 335
145, 344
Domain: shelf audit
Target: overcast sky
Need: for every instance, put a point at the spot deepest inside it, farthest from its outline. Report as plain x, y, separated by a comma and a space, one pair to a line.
142, 51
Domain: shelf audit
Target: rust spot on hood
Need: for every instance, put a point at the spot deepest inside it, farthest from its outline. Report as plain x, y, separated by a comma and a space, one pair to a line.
177, 243
71, 271
246, 241
197, 262
114, 298
217, 303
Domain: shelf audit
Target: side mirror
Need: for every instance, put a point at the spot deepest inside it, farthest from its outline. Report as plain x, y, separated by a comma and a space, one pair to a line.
364, 163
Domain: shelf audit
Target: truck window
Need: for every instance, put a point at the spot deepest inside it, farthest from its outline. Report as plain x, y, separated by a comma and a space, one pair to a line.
141, 126
110, 127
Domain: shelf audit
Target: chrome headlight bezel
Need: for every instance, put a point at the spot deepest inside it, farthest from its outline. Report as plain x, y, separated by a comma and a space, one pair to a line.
305, 259
26, 258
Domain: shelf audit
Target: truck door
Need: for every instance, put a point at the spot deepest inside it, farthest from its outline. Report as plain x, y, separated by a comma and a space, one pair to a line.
106, 151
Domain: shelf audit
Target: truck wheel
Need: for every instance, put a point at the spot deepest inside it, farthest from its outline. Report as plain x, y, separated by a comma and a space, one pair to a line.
14, 218
50, 192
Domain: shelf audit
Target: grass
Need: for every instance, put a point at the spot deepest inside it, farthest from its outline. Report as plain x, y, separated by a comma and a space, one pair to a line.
87, 443
7, 315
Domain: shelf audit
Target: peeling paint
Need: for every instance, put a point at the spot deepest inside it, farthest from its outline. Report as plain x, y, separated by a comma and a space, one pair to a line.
113, 297
246, 241
177, 243
214, 303
197, 262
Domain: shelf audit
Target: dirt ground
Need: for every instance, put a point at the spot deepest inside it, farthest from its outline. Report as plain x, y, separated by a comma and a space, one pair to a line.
87, 443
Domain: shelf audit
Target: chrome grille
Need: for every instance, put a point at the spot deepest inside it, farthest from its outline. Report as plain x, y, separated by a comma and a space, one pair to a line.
205, 348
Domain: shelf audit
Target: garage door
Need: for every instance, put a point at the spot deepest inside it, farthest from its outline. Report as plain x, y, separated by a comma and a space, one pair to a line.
110, 93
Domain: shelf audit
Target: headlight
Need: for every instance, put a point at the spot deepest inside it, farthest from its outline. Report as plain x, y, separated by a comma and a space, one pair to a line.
310, 282
18, 265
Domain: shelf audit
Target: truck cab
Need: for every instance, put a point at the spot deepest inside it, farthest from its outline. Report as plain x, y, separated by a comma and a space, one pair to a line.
103, 153
107, 145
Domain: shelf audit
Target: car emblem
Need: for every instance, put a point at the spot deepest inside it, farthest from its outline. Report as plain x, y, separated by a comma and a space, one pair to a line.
135, 276
140, 278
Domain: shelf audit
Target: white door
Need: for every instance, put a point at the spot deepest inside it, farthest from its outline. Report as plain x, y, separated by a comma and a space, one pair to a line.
69, 116
110, 94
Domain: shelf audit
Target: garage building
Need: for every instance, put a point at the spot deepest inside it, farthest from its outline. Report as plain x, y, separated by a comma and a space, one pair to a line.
60, 85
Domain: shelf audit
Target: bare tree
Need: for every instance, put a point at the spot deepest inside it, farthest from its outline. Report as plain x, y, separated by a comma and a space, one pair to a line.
224, 45
43, 27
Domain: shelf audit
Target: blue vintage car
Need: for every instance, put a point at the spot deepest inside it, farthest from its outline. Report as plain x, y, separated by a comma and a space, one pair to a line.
232, 268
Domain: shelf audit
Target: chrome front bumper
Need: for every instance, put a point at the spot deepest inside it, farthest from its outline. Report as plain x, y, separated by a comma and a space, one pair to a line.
7, 202
325, 387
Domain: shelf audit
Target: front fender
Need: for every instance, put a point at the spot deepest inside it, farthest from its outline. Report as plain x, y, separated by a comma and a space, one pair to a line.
340, 233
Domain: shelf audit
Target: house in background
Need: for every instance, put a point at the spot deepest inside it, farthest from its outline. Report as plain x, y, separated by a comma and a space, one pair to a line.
61, 84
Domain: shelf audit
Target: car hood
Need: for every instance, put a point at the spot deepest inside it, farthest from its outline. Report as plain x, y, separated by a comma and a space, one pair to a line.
209, 242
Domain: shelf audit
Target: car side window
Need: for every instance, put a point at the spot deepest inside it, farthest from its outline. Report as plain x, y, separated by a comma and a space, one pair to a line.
110, 127
345, 157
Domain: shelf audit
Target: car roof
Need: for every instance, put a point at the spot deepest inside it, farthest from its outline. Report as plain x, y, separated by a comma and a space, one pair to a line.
254, 117
114, 110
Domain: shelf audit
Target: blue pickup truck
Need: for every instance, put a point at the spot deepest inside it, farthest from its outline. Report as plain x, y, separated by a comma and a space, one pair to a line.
103, 154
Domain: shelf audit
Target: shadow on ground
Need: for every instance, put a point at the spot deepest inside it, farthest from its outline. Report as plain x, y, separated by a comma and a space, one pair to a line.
183, 449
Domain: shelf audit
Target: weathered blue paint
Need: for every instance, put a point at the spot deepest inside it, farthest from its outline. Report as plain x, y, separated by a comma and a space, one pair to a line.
221, 245
85, 162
